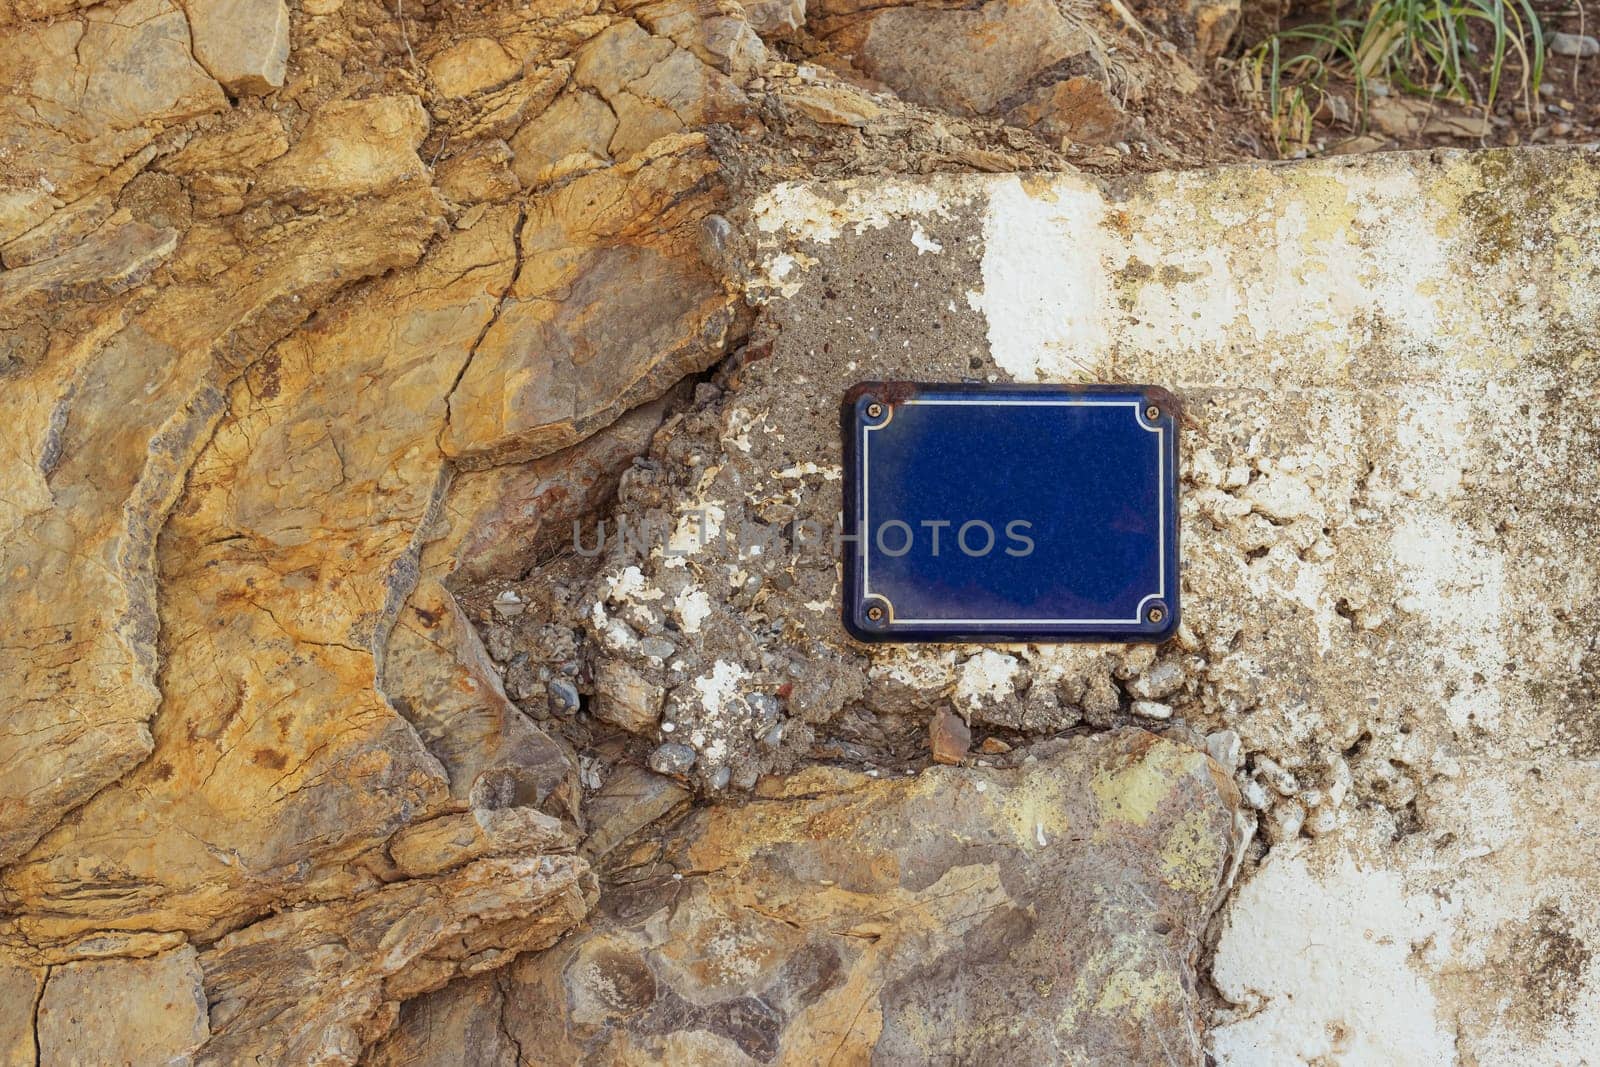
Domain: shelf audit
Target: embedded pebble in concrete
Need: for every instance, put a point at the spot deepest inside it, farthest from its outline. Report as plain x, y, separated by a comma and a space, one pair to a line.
948, 737
672, 759
563, 696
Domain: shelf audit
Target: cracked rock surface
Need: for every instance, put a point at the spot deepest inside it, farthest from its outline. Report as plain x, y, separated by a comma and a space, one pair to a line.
1049, 909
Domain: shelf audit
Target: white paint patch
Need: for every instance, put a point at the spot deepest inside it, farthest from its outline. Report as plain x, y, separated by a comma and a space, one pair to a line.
919, 668
1044, 284
780, 266
780, 272
1068, 277
1455, 585
699, 523
719, 702
1319, 959
1416, 275
797, 211
630, 584
989, 677
737, 435
1283, 496
800, 470
692, 607
614, 632
1431, 433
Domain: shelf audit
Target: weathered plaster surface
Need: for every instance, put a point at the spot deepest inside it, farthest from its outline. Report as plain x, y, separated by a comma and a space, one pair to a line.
1389, 372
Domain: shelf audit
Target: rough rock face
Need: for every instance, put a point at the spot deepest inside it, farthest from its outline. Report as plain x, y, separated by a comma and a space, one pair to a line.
245, 350
244, 44
310, 314
1050, 910
317, 984
950, 58
164, 993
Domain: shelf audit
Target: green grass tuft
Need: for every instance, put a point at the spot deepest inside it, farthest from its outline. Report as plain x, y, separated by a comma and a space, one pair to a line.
1423, 47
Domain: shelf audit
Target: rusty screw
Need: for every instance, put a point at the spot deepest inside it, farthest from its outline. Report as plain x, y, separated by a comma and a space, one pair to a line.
874, 410
1156, 614
875, 613
1152, 413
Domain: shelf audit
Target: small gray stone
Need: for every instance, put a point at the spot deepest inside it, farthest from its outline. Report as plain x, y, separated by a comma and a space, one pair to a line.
1150, 709
721, 776
1163, 679
509, 604
499, 642
522, 678
715, 232
658, 648
765, 707
672, 759
1225, 747
1572, 44
563, 697
773, 737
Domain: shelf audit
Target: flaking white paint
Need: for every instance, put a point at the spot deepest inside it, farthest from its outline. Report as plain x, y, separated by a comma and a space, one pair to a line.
1044, 288
1319, 958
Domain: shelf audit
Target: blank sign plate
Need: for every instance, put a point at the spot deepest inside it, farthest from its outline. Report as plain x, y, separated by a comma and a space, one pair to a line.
1010, 513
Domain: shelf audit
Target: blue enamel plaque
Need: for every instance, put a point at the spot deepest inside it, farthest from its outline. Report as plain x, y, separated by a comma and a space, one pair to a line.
1010, 513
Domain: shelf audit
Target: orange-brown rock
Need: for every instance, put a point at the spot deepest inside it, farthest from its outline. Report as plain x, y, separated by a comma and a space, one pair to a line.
1077, 109
612, 302
81, 95
309, 314
335, 973
245, 355
962, 60
949, 737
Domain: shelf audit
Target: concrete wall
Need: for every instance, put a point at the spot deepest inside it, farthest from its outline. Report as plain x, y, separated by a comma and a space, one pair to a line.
1390, 484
